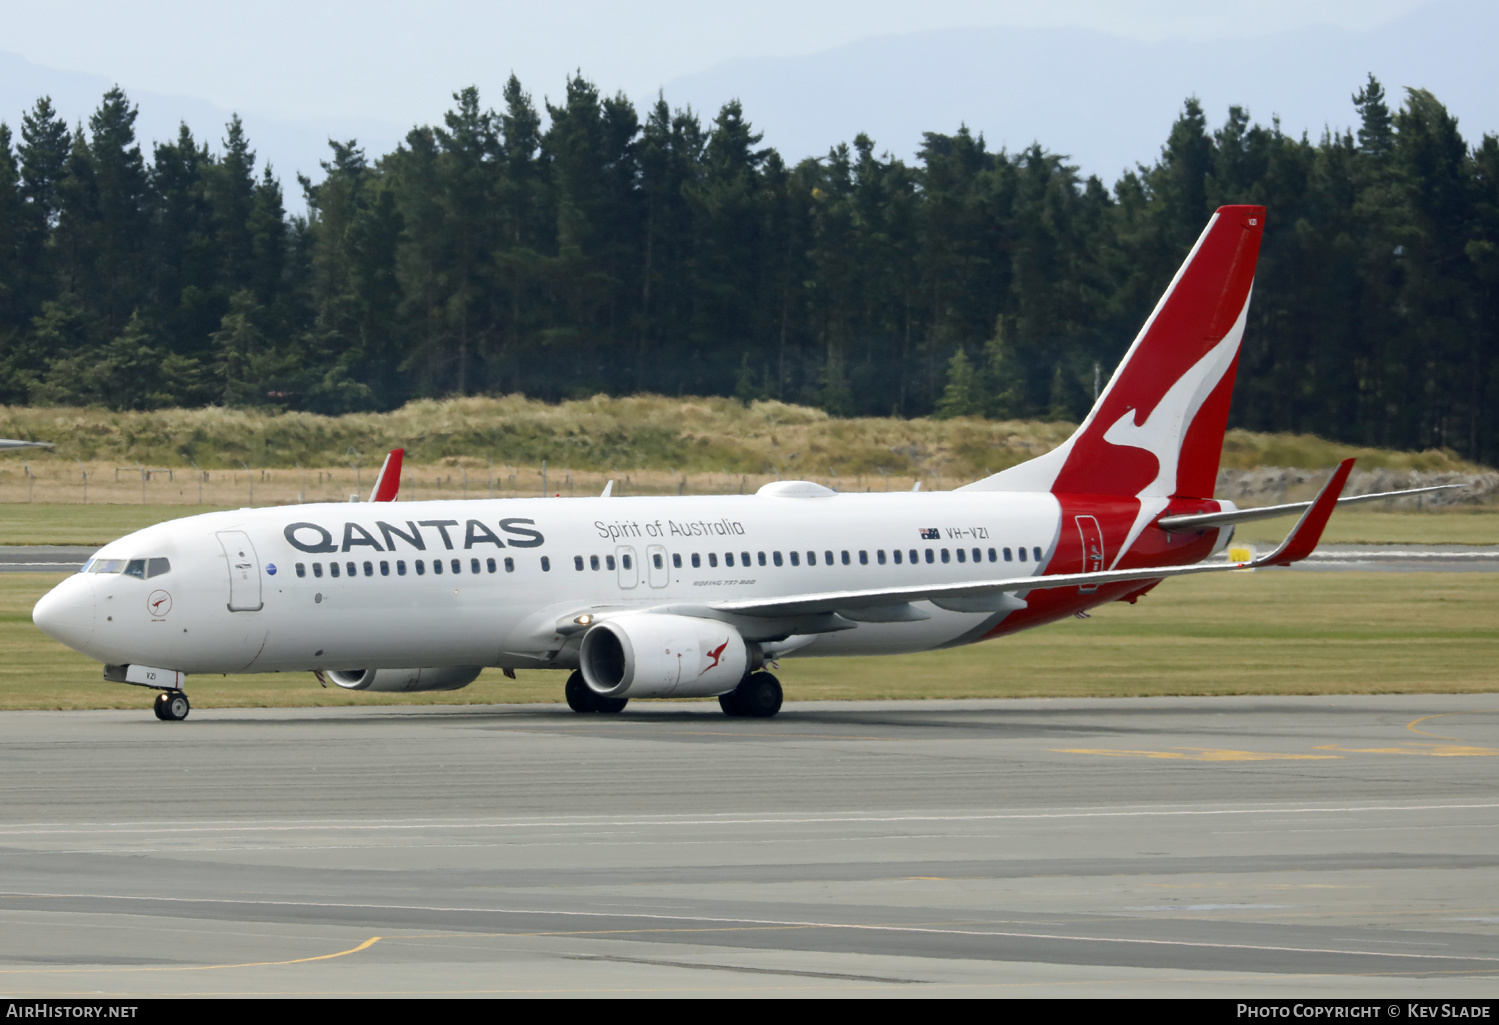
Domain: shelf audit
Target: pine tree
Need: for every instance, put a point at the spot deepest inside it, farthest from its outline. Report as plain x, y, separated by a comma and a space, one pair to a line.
963, 395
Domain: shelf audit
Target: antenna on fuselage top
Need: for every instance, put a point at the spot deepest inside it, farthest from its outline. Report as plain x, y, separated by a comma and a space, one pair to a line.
608, 490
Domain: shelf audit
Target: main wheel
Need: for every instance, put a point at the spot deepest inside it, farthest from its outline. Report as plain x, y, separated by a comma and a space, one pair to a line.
760, 696
580, 698
610, 705
159, 706
730, 703
175, 707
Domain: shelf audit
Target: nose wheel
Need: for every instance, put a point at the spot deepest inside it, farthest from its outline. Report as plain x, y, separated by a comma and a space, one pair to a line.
171, 706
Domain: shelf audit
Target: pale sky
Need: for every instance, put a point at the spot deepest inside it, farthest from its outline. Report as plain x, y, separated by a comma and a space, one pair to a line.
400, 62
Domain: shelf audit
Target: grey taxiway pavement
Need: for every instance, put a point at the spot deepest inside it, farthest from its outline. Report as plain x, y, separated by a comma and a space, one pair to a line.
1251, 847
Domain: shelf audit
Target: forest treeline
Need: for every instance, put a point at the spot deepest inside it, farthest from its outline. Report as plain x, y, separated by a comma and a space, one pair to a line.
603, 248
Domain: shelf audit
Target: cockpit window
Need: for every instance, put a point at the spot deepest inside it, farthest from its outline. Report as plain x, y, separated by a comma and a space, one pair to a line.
156, 567
108, 565
86, 566
136, 568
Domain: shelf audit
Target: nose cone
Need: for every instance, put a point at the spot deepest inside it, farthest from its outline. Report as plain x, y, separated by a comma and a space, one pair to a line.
66, 613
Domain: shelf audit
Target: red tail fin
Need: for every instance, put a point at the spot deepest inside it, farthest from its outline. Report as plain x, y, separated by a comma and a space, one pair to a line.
1157, 429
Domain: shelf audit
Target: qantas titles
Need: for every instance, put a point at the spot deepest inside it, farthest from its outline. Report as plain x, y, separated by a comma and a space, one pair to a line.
316, 539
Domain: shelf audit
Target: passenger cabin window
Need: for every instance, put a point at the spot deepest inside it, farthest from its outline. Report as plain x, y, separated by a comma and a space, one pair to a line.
827, 558
301, 569
929, 557
879, 556
697, 561
509, 564
400, 567
1022, 555
1036, 553
760, 556
864, 558
546, 564
384, 568
456, 565
609, 562
593, 562
578, 563
369, 569
473, 565
776, 557
744, 559
993, 555
317, 569
437, 566
676, 560
626, 562
421, 568
353, 569
1007, 556
713, 559
490, 565
962, 557
657, 561
915, 557
333, 569
945, 556
796, 559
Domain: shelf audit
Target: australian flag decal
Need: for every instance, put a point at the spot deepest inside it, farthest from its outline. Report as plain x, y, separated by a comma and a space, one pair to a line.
930, 534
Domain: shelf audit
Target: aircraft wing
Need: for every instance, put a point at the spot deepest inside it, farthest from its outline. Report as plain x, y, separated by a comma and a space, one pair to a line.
389, 481
12, 443
1297, 545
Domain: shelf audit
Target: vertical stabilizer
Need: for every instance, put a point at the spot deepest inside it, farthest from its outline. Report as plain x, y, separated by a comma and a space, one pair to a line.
1157, 429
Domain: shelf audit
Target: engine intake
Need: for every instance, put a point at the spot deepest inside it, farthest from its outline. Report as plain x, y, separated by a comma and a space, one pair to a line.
405, 680
649, 655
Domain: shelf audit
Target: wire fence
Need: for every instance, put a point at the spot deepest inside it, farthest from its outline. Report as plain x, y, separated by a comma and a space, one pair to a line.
55, 481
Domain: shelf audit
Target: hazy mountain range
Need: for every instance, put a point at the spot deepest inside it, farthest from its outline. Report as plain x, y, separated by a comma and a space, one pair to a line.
1106, 101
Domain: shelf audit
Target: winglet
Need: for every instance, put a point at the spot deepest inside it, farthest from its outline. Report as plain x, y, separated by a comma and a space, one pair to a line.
389, 481
1308, 530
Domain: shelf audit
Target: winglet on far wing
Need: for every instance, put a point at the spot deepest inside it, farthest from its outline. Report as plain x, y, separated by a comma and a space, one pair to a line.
389, 481
1308, 530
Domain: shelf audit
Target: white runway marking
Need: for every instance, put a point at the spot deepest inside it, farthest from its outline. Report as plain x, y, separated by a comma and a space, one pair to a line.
42, 830
762, 923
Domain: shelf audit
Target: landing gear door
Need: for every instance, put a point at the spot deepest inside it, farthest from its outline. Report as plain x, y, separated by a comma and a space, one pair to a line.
656, 567
1092, 542
244, 571
629, 570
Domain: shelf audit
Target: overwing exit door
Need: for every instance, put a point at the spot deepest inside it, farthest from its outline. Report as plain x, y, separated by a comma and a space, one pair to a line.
244, 571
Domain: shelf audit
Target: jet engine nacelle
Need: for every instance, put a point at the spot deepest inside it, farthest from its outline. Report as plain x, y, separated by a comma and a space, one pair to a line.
405, 680
649, 655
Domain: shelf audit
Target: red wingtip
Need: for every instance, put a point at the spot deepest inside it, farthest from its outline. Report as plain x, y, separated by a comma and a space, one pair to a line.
389, 481
1308, 530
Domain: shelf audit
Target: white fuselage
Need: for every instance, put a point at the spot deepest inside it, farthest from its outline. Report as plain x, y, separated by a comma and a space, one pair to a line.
483, 583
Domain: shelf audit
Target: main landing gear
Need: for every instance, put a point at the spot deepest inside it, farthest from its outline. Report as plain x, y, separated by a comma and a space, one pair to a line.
171, 706
582, 698
758, 695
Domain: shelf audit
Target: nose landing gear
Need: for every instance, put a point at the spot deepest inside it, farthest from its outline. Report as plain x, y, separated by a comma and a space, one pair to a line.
171, 706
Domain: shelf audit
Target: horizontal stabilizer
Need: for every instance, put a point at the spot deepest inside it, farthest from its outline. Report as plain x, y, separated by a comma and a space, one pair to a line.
1202, 521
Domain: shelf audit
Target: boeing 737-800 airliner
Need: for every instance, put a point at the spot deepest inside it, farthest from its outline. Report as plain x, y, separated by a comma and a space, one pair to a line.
692, 596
